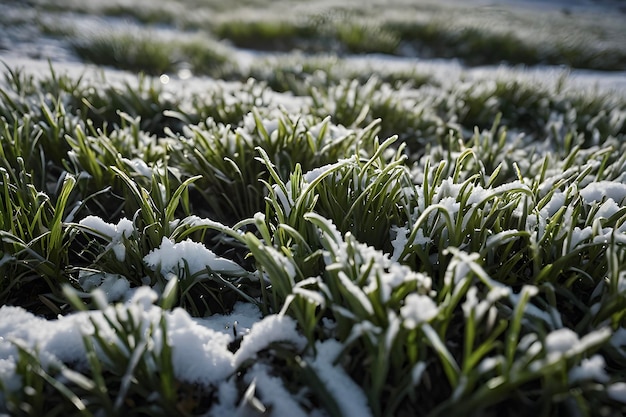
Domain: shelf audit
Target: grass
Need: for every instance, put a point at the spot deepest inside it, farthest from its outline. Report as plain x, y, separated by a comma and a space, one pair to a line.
436, 247
151, 54
475, 35
464, 226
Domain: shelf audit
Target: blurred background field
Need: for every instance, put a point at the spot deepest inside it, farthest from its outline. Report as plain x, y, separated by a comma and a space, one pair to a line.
198, 35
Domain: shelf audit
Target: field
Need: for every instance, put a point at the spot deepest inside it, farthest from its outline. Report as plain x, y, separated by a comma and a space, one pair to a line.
295, 208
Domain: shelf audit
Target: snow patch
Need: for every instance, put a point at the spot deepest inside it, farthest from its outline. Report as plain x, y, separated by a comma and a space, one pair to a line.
199, 354
115, 233
418, 309
597, 191
173, 258
590, 369
350, 398
617, 391
274, 328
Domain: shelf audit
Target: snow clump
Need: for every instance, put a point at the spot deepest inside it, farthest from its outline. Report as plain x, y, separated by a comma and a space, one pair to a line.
418, 309
115, 233
172, 258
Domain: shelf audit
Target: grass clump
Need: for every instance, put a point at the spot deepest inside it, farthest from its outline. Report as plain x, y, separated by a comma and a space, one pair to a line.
151, 54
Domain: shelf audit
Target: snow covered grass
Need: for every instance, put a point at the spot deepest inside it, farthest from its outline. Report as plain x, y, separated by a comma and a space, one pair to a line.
478, 34
413, 243
457, 270
152, 53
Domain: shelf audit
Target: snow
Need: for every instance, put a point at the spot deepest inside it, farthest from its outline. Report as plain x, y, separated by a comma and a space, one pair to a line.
607, 209
556, 202
597, 191
199, 354
350, 398
308, 178
273, 392
228, 396
356, 292
578, 235
560, 340
617, 391
418, 309
479, 195
399, 241
139, 166
174, 258
237, 323
115, 287
114, 232
590, 369
273, 328
483, 307
566, 342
